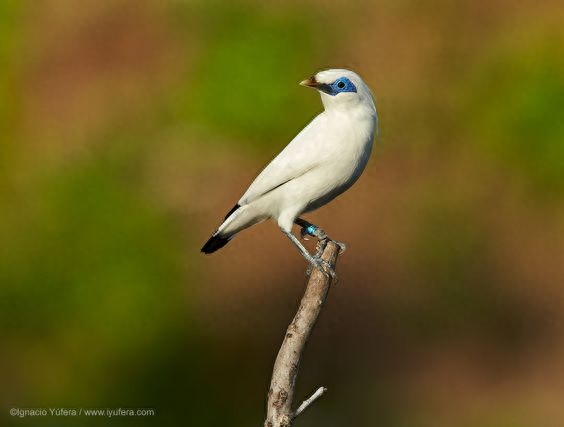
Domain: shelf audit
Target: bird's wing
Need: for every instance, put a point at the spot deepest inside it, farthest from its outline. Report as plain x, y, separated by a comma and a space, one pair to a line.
299, 157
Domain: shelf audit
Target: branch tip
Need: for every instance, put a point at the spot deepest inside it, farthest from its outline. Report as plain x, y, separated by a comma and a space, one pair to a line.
306, 403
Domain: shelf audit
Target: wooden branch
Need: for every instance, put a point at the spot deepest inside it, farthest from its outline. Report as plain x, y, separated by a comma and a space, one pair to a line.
281, 393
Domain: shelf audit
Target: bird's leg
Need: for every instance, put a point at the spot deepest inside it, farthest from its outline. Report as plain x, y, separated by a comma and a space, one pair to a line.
316, 261
309, 229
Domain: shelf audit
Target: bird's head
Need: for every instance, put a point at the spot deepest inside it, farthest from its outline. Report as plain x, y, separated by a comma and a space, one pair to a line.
341, 89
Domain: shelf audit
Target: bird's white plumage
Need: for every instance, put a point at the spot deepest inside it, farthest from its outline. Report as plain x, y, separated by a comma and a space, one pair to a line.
321, 162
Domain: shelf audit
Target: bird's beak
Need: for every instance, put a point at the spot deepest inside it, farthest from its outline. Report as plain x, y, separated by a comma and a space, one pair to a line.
311, 82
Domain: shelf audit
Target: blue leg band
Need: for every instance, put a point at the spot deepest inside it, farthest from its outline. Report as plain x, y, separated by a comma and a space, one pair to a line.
311, 230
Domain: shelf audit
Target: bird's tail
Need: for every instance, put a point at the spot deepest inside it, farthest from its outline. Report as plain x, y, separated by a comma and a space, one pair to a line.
237, 219
218, 240
215, 242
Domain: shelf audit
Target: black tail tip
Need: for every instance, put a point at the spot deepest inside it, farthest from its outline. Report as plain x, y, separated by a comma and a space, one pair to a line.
214, 243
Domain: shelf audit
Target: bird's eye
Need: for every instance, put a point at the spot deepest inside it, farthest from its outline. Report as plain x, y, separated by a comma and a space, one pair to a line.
341, 85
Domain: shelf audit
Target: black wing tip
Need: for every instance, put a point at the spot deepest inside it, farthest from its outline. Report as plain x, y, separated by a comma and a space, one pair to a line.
214, 243
233, 209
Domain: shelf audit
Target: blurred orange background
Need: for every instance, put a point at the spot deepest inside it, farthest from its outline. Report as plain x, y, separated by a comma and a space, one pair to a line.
129, 128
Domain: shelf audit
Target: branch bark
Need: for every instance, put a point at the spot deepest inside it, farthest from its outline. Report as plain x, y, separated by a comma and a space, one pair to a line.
279, 411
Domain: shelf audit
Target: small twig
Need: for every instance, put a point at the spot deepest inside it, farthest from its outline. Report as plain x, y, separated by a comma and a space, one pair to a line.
281, 393
305, 404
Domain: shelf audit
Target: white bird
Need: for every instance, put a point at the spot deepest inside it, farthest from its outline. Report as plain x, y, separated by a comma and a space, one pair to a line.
320, 163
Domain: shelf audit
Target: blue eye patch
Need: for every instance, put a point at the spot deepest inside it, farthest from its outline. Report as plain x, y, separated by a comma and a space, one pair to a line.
342, 84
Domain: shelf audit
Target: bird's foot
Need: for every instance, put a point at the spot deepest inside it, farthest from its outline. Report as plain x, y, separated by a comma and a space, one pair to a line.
321, 245
342, 246
322, 266
312, 230
307, 230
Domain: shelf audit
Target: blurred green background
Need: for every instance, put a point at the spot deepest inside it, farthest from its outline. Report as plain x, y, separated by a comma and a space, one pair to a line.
129, 128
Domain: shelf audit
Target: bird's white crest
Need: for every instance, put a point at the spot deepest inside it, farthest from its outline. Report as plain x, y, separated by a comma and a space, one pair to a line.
321, 162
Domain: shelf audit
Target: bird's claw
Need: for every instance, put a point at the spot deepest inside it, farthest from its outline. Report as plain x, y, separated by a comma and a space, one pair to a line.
307, 229
304, 234
321, 245
324, 267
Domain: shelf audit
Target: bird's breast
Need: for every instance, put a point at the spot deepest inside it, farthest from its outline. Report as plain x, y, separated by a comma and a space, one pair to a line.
345, 151
348, 143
